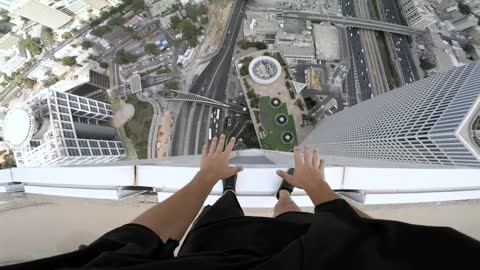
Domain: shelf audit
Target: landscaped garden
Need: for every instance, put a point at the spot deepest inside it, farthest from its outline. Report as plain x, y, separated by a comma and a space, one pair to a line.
277, 129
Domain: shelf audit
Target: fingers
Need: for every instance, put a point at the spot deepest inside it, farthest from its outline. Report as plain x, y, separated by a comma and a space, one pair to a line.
322, 165
221, 144
204, 150
296, 156
230, 146
307, 159
213, 146
285, 175
316, 159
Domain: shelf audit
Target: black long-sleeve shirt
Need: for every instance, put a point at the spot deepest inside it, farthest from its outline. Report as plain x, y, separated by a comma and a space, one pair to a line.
337, 238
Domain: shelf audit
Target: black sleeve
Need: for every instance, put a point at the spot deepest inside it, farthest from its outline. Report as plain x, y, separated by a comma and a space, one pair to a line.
367, 243
340, 208
127, 245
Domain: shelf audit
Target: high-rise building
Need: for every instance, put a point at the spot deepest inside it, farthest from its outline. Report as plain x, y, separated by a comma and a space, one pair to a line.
43, 14
86, 83
431, 122
419, 14
59, 129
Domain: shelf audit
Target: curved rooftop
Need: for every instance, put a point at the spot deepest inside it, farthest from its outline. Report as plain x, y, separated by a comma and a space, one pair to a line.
265, 69
18, 127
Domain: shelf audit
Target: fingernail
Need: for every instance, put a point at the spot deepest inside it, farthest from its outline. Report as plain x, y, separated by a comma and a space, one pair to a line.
232, 139
222, 136
279, 172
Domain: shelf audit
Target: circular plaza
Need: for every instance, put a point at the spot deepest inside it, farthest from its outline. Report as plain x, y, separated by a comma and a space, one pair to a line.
265, 69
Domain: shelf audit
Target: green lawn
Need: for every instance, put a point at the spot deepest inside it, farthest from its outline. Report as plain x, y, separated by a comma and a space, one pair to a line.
137, 128
267, 117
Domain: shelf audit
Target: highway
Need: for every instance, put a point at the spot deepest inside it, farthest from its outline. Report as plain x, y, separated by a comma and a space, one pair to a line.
405, 63
352, 21
376, 71
363, 85
193, 121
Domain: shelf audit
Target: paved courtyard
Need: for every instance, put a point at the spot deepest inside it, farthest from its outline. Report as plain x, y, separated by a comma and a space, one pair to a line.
277, 89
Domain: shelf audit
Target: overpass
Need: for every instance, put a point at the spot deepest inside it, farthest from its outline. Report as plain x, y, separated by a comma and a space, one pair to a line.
173, 95
348, 21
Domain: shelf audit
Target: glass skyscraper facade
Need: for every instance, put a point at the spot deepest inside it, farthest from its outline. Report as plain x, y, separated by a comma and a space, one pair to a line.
431, 122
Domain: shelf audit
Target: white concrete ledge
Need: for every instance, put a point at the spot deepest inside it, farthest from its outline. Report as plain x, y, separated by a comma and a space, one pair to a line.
255, 186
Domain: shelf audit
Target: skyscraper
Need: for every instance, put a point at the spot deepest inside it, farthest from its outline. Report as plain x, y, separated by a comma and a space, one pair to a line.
431, 122
59, 129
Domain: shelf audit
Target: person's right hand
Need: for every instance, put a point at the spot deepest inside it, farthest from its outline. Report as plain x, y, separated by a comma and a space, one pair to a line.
310, 175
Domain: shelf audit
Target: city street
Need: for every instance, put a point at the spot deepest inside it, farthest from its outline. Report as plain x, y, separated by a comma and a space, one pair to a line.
192, 122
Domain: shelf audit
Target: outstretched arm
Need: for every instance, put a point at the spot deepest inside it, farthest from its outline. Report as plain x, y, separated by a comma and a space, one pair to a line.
171, 218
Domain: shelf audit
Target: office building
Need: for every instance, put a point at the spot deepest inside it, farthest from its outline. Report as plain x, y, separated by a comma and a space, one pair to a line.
262, 26
86, 83
296, 48
43, 14
59, 129
428, 123
419, 13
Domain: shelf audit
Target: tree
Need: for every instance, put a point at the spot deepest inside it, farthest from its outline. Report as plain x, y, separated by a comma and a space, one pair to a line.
171, 85
4, 15
31, 45
190, 32
69, 61
204, 20
192, 12
29, 83
103, 64
138, 6
174, 21
464, 9
117, 20
49, 35
152, 49
67, 35
86, 44
101, 30
124, 57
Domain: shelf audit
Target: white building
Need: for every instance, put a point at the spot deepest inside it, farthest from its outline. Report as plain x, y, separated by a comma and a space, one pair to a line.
296, 48
465, 23
58, 129
419, 14
12, 55
431, 122
262, 26
43, 14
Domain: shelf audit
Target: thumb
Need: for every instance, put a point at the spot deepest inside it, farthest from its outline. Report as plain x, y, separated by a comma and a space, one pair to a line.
284, 175
235, 170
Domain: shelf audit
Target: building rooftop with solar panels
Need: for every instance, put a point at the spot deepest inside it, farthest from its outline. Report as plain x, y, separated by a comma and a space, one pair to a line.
58, 129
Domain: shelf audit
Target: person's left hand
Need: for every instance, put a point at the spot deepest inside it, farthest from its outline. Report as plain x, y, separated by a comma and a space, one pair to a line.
214, 164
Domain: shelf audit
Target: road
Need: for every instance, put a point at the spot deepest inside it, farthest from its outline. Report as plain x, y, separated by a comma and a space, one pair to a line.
409, 73
192, 122
46, 55
350, 20
376, 70
362, 84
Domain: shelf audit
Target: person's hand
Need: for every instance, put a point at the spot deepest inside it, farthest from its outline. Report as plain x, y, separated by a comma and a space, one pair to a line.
214, 164
310, 175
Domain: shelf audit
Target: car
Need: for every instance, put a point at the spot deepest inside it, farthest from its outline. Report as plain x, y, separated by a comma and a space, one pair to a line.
244, 109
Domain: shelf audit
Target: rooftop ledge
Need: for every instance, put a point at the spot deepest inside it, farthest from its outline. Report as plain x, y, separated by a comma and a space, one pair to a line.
256, 185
